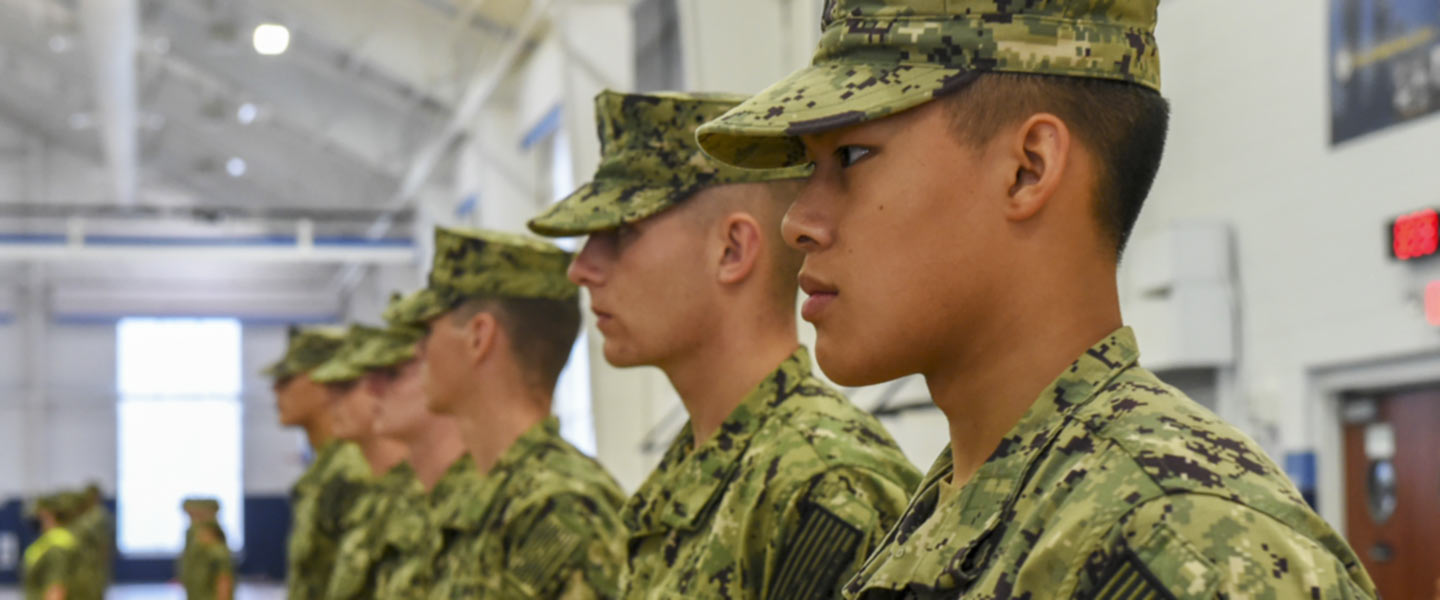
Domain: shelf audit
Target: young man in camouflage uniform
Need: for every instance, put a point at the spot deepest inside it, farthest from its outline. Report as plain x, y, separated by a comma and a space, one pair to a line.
778, 487
408, 540
543, 522
52, 562
302, 402
355, 508
205, 568
95, 528
978, 165
199, 511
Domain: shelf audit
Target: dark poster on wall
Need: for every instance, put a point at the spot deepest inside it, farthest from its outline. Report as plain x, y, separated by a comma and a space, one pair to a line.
1384, 64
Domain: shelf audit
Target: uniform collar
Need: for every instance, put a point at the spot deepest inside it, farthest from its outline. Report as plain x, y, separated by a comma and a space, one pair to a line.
478, 505
400, 473
982, 505
684, 484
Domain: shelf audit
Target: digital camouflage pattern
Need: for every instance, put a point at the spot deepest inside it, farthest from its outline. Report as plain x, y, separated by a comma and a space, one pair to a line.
94, 528
202, 511
473, 263
204, 563
307, 348
317, 509
364, 525
343, 366
411, 539
783, 503
395, 346
880, 57
649, 162
1114, 485
418, 308
205, 504
543, 523
51, 560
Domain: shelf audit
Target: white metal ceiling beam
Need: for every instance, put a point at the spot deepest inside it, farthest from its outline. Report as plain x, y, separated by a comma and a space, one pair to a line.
112, 31
481, 88
54, 253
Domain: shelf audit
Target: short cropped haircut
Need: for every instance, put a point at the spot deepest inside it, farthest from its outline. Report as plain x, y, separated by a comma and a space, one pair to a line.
1123, 124
542, 331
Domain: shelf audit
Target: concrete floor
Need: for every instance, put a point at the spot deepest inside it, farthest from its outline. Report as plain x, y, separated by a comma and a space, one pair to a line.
169, 592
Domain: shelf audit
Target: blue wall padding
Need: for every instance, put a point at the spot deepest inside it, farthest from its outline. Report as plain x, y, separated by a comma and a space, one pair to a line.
1301, 468
267, 525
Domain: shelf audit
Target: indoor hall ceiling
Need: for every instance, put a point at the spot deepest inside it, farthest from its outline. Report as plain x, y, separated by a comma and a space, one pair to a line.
339, 117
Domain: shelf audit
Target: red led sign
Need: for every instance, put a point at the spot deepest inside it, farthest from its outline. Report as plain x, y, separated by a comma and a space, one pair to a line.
1415, 235
1432, 303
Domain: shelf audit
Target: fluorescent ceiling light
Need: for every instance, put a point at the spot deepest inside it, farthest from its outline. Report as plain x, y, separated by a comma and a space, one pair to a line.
246, 113
271, 39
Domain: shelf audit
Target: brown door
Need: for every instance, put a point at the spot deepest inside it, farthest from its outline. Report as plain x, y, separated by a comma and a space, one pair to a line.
1392, 491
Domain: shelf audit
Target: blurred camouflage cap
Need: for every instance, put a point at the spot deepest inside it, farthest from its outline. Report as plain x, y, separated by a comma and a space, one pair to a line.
200, 503
474, 263
418, 308
64, 505
394, 346
308, 348
880, 57
342, 368
649, 162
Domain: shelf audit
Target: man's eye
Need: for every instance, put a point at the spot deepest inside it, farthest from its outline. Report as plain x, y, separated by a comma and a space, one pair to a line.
849, 155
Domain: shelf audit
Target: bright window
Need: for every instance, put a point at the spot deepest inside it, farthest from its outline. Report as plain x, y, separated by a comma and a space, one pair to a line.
179, 428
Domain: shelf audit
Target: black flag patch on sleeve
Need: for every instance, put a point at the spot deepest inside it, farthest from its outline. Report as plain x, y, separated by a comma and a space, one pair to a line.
547, 550
815, 556
1130, 579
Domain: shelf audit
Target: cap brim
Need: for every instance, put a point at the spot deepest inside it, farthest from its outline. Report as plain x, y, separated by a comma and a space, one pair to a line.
598, 206
762, 132
418, 309
335, 371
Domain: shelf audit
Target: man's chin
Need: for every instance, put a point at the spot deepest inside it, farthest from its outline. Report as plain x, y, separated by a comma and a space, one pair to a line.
849, 368
620, 358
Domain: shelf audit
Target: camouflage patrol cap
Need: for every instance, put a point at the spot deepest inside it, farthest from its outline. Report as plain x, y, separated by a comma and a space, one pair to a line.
393, 347
649, 162
66, 505
342, 368
308, 348
197, 503
880, 57
473, 263
418, 308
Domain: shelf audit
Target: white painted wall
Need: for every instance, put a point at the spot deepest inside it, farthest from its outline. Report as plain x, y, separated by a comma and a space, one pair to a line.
69, 438
1249, 145
65, 434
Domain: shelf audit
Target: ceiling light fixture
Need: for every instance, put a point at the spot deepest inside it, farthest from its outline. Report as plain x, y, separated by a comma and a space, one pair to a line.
235, 167
246, 113
271, 39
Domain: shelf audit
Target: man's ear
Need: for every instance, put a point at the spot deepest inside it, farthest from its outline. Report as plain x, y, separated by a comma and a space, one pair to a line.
1041, 154
741, 241
481, 333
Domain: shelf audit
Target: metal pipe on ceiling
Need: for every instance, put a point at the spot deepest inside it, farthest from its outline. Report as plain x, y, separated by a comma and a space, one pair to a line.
112, 32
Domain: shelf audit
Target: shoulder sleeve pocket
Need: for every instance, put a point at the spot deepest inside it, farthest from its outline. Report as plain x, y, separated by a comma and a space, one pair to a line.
1130, 579
817, 554
1148, 559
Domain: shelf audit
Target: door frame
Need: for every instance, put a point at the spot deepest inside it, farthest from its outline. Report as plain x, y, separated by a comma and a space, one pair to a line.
1327, 386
